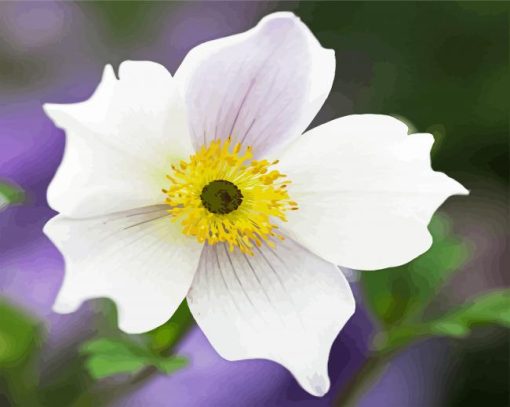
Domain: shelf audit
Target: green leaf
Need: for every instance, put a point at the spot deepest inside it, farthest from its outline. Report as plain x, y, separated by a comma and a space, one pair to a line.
101, 366
112, 346
167, 335
491, 308
107, 357
10, 194
400, 294
20, 334
123, 354
20, 340
171, 364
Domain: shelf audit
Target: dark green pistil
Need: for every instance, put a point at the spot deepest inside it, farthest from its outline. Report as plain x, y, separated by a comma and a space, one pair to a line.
221, 196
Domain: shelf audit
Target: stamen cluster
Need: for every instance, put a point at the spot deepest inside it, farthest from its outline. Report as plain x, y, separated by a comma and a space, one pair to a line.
263, 191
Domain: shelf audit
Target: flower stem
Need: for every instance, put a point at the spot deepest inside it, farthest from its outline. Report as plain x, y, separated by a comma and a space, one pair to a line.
366, 376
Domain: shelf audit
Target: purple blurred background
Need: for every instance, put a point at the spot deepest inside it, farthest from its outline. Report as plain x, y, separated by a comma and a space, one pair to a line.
55, 52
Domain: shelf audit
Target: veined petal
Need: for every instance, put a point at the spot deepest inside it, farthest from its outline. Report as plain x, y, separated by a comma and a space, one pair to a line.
138, 258
262, 87
366, 191
283, 304
120, 142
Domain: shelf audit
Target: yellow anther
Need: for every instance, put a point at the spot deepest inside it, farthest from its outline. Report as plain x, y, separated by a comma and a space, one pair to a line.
263, 197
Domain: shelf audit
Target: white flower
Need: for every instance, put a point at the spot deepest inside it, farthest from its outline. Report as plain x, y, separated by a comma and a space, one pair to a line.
169, 188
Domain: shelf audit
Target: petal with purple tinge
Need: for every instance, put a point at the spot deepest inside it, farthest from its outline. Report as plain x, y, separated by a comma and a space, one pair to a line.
262, 87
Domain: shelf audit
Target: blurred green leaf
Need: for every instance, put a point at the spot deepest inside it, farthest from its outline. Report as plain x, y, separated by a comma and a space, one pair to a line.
10, 194
167, 335
111, 346
19, 335
125, 354
491, 308
401, 293
171, 364
101, 366
20, 338
107, 357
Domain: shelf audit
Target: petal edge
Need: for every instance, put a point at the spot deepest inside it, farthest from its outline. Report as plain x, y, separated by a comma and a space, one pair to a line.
286, 305
366, 191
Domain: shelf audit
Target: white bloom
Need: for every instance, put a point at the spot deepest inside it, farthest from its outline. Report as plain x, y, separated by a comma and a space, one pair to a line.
146, 234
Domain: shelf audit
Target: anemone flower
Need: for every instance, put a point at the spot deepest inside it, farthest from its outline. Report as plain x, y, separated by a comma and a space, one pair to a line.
202, 186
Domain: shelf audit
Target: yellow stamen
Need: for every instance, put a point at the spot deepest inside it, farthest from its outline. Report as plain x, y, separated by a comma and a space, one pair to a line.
262, 195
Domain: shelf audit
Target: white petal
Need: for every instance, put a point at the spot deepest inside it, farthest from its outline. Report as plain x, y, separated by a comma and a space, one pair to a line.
366, 191
285, 305
120, 142
139, 259
263, 87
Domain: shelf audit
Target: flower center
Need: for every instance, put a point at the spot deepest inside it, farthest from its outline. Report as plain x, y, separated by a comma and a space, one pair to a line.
222, 195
